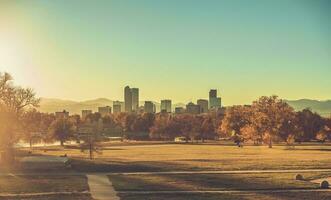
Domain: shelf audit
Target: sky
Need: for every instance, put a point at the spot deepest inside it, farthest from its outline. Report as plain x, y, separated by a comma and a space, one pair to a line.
177, 50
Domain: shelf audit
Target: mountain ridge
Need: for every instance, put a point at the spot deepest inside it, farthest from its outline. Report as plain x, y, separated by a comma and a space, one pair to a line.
50, 105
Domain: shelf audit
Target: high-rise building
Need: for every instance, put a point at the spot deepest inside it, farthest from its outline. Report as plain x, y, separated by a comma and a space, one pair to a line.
127, 99
104, 110
166, 105
117, 106
192, 108
212, 93
85, 113
203, 103
214, 101
149, 107
135, 99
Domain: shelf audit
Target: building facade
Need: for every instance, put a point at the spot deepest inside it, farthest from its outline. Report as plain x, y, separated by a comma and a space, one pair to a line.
149, 107
203, 103
106, 110
214, 101
179, 110
127, 99
192, 108
135, 99
166, 105
60, 115
118, 106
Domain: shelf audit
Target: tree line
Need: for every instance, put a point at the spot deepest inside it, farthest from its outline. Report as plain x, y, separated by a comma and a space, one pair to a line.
265, 121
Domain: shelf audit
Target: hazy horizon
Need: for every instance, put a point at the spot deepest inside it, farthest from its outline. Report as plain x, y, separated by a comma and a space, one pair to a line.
81, 50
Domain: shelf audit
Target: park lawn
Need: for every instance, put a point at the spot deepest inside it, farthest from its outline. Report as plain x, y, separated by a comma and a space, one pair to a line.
170, 157
42, 183
124, 184
212, 182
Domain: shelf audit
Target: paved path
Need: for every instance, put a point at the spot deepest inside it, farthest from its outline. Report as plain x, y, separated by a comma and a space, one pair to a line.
101, 188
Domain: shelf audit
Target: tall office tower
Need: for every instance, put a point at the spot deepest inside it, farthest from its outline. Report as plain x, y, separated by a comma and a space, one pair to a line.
85, 113
135, 99
212, 96
214, 101
104, 110
127, 99
149, 107
192, 108
166, 105
117, 106
203, 103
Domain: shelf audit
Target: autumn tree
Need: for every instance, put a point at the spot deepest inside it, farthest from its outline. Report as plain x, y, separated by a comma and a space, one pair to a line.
235, 119
163, 125
207, 128
270, 115
13, 103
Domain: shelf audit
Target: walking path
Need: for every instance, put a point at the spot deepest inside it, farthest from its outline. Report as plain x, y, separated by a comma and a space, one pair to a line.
101, 188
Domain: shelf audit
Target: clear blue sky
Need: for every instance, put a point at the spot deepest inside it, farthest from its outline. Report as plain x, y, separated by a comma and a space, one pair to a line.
169, 49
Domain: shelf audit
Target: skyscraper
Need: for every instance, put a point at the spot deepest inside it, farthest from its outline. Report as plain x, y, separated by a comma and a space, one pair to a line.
214, 101
203, 103
166, 105
135, 99
117, 106
127, 99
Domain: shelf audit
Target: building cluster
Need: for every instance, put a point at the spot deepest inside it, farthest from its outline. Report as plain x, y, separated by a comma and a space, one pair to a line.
131, 104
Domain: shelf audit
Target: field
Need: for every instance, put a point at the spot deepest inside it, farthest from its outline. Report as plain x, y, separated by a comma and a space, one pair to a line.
188, 171
169, 157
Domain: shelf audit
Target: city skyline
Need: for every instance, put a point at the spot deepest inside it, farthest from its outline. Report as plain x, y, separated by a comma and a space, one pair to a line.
174, 50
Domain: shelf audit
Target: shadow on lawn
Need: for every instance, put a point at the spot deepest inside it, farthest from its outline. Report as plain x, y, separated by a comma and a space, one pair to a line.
207, 182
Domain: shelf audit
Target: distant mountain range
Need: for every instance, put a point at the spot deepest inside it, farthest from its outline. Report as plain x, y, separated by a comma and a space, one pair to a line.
49, 105
75, 107
321, 107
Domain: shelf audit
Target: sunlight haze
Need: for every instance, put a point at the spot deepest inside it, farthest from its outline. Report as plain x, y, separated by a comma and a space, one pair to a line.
169, 49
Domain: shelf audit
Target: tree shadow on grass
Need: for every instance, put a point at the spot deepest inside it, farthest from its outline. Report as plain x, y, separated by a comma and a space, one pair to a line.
207, 182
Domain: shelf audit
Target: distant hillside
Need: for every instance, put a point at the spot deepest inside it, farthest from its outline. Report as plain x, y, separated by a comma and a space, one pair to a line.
321, 107
75, 107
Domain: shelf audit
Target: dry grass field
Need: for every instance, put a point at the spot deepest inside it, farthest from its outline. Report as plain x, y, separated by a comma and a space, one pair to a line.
156, 157
165, 157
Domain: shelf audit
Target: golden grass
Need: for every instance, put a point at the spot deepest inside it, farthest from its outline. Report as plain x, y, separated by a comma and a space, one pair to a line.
207, 156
